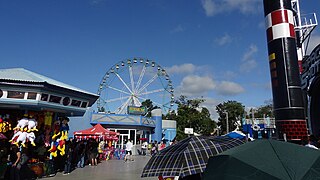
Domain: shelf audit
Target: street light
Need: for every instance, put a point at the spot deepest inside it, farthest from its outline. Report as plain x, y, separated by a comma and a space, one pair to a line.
227, 119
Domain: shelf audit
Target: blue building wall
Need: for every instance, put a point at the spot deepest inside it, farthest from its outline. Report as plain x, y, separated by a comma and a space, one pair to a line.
169, 134
157, 116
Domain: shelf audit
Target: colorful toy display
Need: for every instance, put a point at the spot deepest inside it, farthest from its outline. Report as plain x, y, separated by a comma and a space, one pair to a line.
59, 137
4, 126
24, 132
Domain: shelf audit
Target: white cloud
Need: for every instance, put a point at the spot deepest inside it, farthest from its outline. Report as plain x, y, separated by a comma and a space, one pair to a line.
248, 63
265, 86
314, 41
177, 29
211, 104
213, 7
229, 88
244, 6
226, 39
194, 85
229, 75
209, 7
186, 68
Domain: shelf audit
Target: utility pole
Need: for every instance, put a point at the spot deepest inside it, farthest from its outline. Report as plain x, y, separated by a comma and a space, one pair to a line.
227, 120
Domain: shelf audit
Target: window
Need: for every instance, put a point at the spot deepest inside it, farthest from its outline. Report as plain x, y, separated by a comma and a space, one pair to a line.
75, 103
55, 99
44, 97
15, 94
84, 104
32, 95
66, 101
123, 131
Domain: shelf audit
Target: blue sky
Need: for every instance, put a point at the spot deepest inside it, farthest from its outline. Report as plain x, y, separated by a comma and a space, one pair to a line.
211, 48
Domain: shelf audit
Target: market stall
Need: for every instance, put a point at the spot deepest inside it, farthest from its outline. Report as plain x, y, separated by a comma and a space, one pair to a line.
106, 139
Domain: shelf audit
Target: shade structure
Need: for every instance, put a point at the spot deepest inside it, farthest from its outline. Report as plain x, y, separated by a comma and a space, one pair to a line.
189, 156
265, 159
96, 131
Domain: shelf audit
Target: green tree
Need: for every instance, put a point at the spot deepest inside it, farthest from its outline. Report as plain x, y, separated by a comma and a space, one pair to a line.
191, 115
235, 112
170, 115
149, 106
266, 110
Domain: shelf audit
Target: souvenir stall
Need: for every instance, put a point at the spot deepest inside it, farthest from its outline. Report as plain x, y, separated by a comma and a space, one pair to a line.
106, 139
41, 145
33, 116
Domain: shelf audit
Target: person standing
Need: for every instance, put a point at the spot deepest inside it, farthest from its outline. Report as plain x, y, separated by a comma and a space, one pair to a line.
144, 147
81, 153
128, 155
68, 162
162, 145
93, 152
14, 159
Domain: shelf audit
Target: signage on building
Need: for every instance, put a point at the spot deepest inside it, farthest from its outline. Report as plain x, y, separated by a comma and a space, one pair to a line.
311, 67
188, 130
134, 110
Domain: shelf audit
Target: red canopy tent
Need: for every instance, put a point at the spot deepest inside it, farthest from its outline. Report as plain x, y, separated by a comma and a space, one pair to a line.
95, 132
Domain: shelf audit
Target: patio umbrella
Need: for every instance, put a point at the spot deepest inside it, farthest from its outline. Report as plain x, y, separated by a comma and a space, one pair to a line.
2, 136
188, 156
265, 159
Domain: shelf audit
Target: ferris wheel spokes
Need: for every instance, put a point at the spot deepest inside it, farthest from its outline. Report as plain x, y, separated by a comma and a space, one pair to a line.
119, 90
125, 84
116, 99
131, 78
123, 105
151, 92
136, 101
152, 101
148, 83
130, 82
140, 77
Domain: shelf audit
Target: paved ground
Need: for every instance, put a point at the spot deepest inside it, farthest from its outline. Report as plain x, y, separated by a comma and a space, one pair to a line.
110, 170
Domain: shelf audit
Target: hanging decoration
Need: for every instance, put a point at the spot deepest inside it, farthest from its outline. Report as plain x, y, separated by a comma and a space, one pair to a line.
47, 126
4, 126
59, 137
23, 132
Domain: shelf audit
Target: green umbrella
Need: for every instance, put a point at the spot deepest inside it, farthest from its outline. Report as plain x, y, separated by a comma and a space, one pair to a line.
265, 160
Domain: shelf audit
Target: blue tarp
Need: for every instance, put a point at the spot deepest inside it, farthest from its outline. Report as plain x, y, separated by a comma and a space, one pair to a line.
236, 135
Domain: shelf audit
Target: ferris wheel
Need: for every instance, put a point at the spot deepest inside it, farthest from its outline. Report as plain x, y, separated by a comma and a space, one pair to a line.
129, 83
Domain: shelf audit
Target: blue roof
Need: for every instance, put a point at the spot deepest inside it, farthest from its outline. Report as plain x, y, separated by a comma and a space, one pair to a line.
21, 74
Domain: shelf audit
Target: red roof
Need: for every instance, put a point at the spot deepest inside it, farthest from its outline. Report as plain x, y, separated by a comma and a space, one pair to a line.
96, 130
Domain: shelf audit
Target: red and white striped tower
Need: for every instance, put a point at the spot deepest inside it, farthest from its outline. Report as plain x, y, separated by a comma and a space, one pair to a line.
284, 70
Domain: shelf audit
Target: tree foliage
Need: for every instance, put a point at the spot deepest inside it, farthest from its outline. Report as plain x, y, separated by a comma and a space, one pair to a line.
235, 111
149, 105
265, 110
191, 115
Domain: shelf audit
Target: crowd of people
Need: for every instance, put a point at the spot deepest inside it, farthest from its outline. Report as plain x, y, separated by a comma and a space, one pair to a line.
154, 146
16, 162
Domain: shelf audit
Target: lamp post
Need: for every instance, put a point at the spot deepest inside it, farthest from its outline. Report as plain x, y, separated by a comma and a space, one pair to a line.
227, 120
